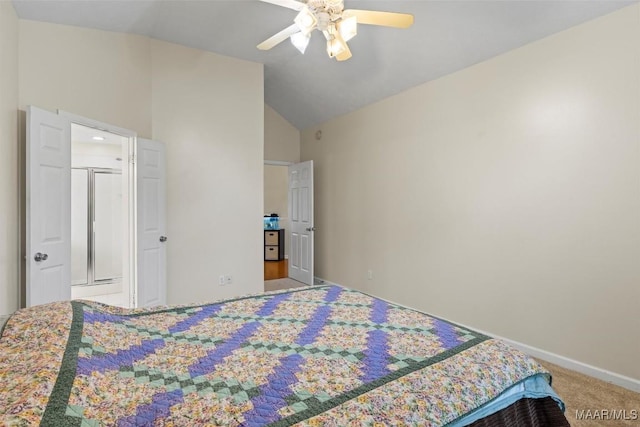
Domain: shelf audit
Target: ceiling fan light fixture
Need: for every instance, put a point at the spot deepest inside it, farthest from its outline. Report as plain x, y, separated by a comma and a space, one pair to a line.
348, 28
335, 47
300, 41
306, 21
335, 43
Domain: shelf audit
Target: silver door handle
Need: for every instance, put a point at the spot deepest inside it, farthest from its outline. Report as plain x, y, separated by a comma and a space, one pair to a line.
310, 229
40, 257
163, 239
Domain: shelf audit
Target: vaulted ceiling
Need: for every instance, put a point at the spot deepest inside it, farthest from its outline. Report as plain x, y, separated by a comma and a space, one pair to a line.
309, 89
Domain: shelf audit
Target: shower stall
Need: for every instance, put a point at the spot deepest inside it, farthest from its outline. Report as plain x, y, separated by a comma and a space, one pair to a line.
99, 215
96, 226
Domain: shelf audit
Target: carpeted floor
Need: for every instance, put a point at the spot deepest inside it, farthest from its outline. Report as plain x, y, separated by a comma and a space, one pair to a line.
586, 398
278, 284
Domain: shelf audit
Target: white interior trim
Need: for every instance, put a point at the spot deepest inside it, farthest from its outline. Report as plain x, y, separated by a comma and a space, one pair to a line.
320, 281
130, 275
85, 121
593, 371
277, 163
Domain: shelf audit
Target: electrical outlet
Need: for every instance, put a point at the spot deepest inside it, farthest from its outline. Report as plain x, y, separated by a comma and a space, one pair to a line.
221, 280
228, 279
370, 274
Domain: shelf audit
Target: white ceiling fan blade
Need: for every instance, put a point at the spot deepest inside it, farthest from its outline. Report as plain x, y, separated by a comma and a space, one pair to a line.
279, 37
290, 4
385, 19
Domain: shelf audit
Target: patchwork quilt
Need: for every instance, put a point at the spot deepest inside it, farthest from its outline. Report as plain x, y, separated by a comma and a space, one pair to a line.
315, 356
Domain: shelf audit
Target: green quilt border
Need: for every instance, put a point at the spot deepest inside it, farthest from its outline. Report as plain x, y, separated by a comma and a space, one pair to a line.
55, 412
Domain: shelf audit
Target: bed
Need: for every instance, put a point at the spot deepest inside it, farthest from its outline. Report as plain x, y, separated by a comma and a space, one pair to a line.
313, 356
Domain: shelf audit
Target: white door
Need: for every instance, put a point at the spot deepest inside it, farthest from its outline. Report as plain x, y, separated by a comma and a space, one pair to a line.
301, 217
151, 223
48, 207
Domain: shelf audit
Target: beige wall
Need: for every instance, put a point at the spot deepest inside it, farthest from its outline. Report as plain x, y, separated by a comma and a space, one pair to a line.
505, 196
97, 74
281, 139
209, 110
8, 159
206, 108
275, 190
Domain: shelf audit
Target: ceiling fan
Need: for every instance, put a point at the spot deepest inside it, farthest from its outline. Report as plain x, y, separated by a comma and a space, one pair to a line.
337, 24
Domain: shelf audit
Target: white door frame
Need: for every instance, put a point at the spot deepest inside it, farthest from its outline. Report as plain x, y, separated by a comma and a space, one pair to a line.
278, 163
129, 260
288, 241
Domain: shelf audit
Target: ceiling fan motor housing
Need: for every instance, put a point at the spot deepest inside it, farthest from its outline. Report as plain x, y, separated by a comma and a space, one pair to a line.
330, 8
324, 19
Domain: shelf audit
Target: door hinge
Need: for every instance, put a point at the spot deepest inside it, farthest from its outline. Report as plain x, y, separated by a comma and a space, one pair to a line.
132, 159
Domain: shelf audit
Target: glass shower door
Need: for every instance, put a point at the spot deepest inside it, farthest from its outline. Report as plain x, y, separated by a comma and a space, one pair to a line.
96, 226
107, 232
79, 226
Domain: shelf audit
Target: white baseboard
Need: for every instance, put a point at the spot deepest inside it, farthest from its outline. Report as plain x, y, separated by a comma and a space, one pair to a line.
565, 362
320, 281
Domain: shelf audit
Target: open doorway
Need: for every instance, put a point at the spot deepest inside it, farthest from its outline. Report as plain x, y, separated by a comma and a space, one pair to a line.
276, 202
99, 216
289, 188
